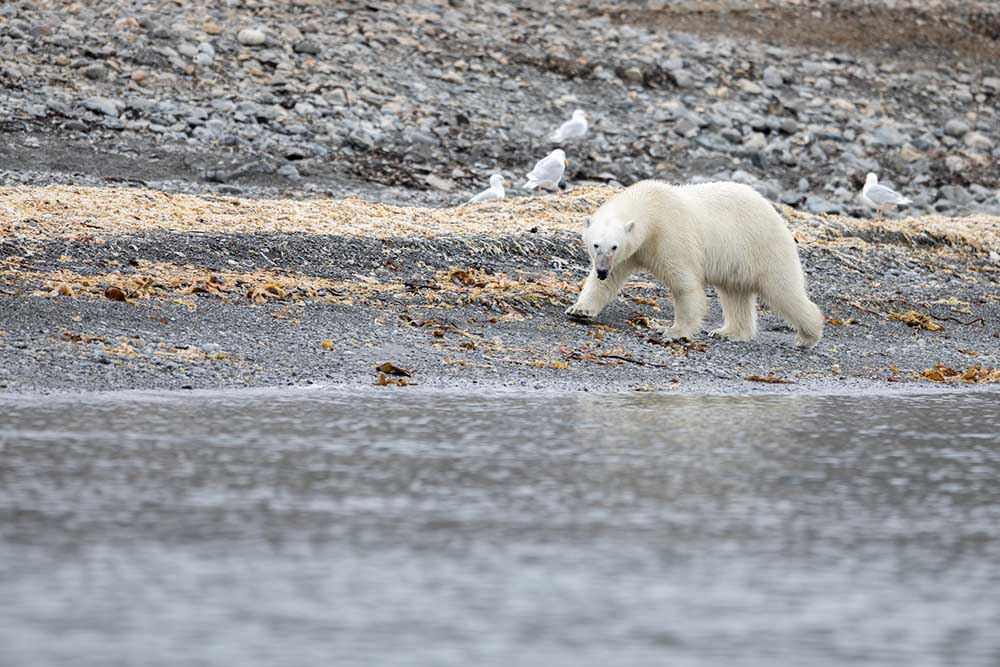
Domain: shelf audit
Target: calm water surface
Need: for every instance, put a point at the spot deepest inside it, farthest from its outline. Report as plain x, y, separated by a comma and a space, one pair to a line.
406, 528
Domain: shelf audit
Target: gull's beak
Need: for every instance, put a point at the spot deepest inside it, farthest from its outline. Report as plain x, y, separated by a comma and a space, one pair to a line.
565, 163
587, 116
506, 184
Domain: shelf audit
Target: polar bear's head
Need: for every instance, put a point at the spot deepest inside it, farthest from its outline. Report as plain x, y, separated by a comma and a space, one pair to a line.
609, 242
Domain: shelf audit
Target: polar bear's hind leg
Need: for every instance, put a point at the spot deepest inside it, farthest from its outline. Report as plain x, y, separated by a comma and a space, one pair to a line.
799, 311
739, 315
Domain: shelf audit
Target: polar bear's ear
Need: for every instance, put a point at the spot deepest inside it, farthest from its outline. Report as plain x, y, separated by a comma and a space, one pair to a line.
586, 222
629, 226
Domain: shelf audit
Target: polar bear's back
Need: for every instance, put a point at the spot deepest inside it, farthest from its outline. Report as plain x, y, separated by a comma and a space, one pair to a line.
723, 202
735, 231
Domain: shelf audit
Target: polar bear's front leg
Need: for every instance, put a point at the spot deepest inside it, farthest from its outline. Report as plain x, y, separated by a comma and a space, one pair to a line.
690, 306
597, 293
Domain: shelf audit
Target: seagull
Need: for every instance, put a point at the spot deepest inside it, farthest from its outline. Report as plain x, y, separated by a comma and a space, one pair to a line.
492, 193
548, 171
880, 197
574, 128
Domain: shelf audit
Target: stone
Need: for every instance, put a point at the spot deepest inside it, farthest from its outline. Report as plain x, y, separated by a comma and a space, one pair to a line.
361, 139
308, 47
957, 195
956, 128
991, 83
888, 135
102, 105
773, 77
187, 49
682, 78
438, 183
685, 127
96, 72
820, 206
633, 74
251, 37
978, 141
290, 172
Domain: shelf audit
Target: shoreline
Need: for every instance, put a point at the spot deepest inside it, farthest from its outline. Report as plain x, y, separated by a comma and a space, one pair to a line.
97, 296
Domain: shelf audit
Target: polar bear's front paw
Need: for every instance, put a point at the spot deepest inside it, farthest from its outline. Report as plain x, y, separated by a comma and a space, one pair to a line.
674, 333
582, 311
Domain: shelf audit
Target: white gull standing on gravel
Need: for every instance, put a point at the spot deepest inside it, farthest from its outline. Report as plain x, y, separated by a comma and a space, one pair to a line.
880, 197
574, 128
494, 192
548, 171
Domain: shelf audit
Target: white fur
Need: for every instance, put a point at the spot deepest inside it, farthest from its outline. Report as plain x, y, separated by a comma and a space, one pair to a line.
721, 234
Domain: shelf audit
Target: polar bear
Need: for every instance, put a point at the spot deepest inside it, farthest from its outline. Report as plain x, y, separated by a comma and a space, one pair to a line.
721, 234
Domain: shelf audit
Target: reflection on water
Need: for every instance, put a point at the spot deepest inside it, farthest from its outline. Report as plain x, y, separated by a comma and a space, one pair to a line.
405, 528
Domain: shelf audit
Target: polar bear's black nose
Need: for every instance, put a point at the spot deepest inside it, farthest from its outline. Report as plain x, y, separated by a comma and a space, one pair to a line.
602, 274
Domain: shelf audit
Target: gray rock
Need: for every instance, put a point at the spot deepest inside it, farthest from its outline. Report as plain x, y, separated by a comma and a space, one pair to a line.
96, 72
955, 164
991, 83
682, 78
958, 195
773, 77
748, 86
789, 125
978, 141
818, 205
438, 183
685, 127
360, 139
714, 142
290, 172
888, 135
633, 74
956, 128
187, 49
308, 47
102, 105
251, 37
733, 135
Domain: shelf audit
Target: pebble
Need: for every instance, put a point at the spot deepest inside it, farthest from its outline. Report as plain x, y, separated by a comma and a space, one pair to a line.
102, 105
307, 47
251, 37
956, 128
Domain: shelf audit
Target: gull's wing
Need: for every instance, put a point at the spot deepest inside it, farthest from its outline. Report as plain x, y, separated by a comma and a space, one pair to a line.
880, 194
570, 129
486, 195
547, 169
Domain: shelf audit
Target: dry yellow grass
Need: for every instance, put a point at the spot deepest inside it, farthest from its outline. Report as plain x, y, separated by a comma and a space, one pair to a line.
981, 232
67, 211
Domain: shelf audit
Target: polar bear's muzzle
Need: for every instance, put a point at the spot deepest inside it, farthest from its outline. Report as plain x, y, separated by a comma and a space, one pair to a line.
602, 264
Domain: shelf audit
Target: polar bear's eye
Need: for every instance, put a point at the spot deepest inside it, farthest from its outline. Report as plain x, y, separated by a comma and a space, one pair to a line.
595, 245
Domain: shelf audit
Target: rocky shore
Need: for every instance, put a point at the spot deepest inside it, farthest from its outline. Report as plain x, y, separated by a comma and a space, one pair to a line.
105, 288
420, 102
